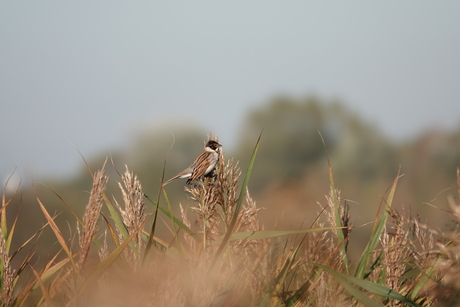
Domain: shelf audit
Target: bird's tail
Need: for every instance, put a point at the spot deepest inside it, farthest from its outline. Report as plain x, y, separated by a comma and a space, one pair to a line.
172, 179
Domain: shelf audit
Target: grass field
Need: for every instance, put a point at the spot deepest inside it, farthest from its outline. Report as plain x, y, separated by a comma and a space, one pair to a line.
220, 256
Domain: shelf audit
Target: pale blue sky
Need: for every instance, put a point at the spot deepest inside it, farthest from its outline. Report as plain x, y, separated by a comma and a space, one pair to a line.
90, 72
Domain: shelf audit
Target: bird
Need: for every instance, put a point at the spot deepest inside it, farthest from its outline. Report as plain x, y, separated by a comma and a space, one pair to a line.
203, 164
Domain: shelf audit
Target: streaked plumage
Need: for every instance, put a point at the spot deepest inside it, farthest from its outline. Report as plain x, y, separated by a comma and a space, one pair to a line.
203, 165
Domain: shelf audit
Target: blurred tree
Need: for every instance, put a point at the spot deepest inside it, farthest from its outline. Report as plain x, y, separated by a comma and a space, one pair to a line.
291, 143
290, 139
362, 151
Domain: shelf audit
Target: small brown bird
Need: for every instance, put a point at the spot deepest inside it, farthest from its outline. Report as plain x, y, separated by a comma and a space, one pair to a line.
203, 165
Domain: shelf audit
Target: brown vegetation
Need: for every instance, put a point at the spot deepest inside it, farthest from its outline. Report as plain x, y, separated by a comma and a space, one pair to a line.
218, 254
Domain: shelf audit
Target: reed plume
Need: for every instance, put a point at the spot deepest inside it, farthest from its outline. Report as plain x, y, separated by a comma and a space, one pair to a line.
91, 216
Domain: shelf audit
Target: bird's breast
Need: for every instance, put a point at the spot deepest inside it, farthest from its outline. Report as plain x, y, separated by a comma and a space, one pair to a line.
212, 165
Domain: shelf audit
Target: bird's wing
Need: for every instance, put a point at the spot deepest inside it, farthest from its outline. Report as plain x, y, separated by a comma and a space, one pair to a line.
200, 165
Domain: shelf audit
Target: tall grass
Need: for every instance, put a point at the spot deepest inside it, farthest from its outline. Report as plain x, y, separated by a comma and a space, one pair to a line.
219, 254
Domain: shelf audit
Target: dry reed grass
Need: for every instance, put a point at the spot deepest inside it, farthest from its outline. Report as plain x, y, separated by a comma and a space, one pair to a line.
132, 214
307, 269
91, 216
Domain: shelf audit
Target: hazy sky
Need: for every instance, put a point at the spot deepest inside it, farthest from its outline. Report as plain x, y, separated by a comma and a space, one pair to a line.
87, 72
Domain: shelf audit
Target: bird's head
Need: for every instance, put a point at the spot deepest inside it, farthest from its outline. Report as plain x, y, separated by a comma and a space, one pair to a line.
213, 145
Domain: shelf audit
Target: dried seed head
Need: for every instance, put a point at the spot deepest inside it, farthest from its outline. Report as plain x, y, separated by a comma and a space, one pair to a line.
91, 215
133, 211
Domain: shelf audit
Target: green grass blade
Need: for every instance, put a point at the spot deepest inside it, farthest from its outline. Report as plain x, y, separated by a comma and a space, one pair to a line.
369, 286
154, 223
377, 231
238, 204
381, 290
176, 232
422, 282
358, 294
118, 222
155, 215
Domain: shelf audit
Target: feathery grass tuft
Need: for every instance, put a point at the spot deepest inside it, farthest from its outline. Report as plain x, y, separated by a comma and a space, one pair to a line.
91, 216
132, 213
